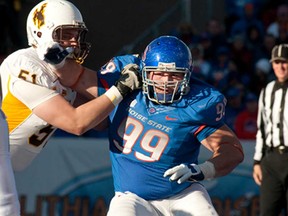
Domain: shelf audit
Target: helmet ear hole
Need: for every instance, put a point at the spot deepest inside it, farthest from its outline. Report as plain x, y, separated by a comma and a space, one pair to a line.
39, 34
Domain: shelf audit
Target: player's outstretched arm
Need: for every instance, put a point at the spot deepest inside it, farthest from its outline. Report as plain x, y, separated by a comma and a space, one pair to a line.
59, 113
227, 150
227, 154
86, 84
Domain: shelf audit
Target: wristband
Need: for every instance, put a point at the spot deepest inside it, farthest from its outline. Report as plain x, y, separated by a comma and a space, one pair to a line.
114, 95
207, 169
256, 162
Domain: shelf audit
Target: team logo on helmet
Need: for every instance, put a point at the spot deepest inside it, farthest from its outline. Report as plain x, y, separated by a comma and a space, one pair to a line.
38, 17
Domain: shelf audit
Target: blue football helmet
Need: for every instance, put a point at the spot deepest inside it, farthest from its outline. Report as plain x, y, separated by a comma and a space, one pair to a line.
166, 54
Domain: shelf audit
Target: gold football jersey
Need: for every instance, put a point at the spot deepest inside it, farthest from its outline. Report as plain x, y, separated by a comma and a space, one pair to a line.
27, 82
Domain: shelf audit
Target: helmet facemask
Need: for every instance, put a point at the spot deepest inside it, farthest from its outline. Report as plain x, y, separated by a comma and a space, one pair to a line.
164, 92
73, 36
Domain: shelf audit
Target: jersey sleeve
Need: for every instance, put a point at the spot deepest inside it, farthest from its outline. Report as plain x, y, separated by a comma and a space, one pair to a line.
29, 79
110, 72
260, 136
30, 94
212, 117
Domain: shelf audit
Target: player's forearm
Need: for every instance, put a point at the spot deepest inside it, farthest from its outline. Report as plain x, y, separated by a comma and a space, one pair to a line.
59, 113
92, 113
87, 116
227, 157
227, 150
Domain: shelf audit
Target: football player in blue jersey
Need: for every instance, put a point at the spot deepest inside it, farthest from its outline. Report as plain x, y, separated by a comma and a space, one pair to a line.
155, 135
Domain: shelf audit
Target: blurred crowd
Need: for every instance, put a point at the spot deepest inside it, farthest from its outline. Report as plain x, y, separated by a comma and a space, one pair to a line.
234, 56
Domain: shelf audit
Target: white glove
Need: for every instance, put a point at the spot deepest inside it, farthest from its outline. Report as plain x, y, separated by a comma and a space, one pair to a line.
182, 173
53, 53
129, 80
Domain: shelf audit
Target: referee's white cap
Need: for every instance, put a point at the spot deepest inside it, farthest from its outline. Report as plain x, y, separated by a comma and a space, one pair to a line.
279, 52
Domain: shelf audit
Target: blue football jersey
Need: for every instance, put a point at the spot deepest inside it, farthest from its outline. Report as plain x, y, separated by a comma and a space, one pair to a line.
110, 72
147, 138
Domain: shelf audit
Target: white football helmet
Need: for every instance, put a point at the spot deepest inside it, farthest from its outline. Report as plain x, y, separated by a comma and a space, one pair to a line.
51, 20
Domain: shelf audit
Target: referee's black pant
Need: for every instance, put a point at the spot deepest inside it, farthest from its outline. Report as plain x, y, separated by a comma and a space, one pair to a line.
274, 187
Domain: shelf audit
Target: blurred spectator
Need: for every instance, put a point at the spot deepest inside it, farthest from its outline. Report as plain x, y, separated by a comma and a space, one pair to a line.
283, 36
220, 68
280, 25
240, 54
235, 11
249, 19
268, 12
253, 38
216, 32
269, 41
201, 67
234, 76
235, 7
187, 33
246, 120
261, 76
235, 79
206, 43
234, 106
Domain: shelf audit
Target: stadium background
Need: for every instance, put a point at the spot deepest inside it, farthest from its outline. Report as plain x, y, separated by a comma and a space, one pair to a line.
114, 24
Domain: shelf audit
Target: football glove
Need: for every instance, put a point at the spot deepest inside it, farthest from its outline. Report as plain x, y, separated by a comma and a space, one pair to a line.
53, 53
182, 173
129, 80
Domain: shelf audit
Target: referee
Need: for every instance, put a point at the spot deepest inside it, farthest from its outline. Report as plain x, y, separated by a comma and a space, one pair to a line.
270, 169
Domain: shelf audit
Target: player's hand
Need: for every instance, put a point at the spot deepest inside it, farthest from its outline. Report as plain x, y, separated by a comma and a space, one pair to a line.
129, 80
53, 53
182, 173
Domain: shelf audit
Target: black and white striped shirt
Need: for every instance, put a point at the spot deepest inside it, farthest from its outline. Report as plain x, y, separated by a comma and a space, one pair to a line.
272, 118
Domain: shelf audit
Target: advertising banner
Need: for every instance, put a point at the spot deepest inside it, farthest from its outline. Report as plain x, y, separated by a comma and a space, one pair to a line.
72, 177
